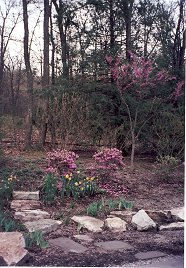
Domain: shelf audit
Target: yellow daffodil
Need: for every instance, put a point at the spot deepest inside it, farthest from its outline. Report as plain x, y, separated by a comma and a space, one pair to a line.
92, 178
67, 176
87, 178
82, 188
76, 183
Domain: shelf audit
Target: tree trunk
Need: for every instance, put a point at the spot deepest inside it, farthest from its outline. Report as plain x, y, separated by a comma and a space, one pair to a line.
45, 81
29, 116
63, 38
133, 150
127, 8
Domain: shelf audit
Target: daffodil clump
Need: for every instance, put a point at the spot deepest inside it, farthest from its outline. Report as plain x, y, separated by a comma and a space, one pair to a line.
6, 187
73, 184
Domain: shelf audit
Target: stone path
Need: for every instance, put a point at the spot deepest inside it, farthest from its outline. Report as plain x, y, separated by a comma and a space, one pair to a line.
27, 208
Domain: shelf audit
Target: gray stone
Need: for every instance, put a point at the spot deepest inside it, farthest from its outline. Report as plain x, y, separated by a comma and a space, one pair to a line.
172, 226
19, 205
68, 245
85, 238
159, 215
124, 214
142, 221
90, 223
19, 195
116, 224
2, 262
178, 214
12, 248
31, 215
149, 255
44, 225
113, 245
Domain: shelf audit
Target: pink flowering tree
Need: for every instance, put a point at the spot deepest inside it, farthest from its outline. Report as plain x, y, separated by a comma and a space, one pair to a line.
139, 80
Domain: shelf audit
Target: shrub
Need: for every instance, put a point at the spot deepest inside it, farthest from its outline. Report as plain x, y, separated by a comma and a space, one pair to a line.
107, 163
166, 166
61, 161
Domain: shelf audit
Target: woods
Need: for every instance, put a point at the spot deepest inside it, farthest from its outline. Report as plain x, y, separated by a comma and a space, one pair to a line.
106, 73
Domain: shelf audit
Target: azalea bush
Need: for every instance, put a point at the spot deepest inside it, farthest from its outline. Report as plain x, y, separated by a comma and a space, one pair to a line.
60, 161
107, 163
63, 179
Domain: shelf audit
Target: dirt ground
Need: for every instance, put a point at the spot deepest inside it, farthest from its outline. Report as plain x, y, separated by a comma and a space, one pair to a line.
143, 186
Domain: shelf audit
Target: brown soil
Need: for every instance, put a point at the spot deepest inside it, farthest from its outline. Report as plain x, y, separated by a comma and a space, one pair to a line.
144, 187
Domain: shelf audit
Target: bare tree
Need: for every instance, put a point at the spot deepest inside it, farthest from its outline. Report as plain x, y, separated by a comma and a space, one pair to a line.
5, 35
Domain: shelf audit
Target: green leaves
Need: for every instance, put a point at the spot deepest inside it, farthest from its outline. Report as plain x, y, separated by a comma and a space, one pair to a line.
50, 188
35, 239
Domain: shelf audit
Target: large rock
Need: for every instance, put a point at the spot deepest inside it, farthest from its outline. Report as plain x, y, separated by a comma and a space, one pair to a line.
31, 215
19, 195
90, 223
172, 226
19, 205
12, 248
124, 214
159, 215
43, 225
142, 221
116, 224
178, 214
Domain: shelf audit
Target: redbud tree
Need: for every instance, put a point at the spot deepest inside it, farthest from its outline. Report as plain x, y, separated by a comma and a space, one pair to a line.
140, 79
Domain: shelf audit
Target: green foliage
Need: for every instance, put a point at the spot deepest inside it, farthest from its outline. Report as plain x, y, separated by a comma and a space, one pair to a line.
168, 132
112, 204
50, 188
35, 239
108, 205
9, 225
94, 208
77, 186
166, 166
6, 188
123, 204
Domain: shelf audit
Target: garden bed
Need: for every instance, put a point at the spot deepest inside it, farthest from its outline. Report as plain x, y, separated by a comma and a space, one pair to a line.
144, 187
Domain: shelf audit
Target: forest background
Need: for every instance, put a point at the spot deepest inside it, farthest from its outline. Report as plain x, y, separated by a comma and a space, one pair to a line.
94, 73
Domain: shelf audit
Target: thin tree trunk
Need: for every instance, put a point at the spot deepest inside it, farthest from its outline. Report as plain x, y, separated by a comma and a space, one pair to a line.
133, 150
29, 116
45, 81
